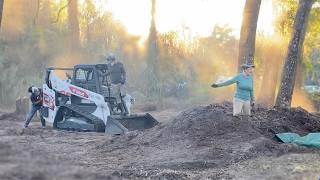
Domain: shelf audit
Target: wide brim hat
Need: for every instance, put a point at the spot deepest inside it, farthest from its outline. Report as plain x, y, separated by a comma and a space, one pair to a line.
247, 65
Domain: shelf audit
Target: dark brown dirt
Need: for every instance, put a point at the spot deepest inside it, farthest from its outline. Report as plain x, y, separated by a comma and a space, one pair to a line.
210, 137
204, 142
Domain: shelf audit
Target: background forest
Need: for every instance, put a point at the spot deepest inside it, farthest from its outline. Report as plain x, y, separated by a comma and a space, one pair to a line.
172, 66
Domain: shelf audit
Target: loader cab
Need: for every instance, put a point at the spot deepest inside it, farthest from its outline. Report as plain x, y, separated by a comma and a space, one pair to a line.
95, 78
89, 76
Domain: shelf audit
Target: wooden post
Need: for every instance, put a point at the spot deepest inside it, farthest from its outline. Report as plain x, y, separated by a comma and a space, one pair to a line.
22, 105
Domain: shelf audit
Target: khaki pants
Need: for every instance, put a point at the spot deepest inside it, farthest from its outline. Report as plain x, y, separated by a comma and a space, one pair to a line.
118, 91
241, 107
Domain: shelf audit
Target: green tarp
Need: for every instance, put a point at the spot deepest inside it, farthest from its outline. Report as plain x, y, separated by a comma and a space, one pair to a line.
310, 140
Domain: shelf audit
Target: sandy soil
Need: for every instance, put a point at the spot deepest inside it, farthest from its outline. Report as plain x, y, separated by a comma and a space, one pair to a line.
203, 142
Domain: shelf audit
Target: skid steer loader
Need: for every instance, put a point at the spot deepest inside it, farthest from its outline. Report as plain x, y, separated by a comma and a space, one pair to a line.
85, 102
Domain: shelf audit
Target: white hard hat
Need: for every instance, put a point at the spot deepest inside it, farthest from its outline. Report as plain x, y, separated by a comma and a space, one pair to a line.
34, 89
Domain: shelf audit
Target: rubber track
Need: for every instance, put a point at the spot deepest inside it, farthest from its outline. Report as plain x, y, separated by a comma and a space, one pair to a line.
85, 114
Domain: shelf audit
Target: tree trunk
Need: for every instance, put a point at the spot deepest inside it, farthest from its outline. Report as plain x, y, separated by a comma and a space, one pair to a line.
152, 57
294, 53
73, 22
22, 105
299, 75
1, 10
248, 32
44, 14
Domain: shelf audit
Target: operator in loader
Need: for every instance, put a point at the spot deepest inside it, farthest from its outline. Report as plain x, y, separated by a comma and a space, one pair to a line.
36, 100
117, 77
243, 99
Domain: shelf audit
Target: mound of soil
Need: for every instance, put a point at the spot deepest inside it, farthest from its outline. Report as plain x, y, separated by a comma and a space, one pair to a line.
205, 142
210, 137
296, 120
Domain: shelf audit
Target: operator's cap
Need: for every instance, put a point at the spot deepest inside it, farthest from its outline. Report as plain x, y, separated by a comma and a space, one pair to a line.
247, 65
34, 89
111, 57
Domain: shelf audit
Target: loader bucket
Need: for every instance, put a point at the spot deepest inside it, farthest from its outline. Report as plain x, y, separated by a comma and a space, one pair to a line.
118, 124
114, 127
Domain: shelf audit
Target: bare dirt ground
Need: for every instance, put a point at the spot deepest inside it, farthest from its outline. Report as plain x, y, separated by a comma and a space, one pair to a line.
203, 142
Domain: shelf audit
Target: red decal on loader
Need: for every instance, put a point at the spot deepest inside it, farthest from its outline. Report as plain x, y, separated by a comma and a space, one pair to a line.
48, 101
78, 92
65, 93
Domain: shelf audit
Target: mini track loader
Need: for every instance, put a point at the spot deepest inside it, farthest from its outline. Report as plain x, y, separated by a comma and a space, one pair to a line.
85, 102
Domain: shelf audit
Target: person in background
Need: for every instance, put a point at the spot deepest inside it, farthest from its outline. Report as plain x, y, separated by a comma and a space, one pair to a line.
117, 75
243, 99
36, 100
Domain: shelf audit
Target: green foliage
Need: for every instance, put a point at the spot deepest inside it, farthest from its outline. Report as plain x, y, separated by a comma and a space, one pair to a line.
284, 24
287, 11
189, 68
43, 42
185, 69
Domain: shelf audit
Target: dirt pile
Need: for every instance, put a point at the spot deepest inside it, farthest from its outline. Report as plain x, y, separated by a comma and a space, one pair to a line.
210, 137
204, 142
295, 120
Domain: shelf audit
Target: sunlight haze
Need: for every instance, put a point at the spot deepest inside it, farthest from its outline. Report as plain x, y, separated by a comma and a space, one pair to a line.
192, 15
